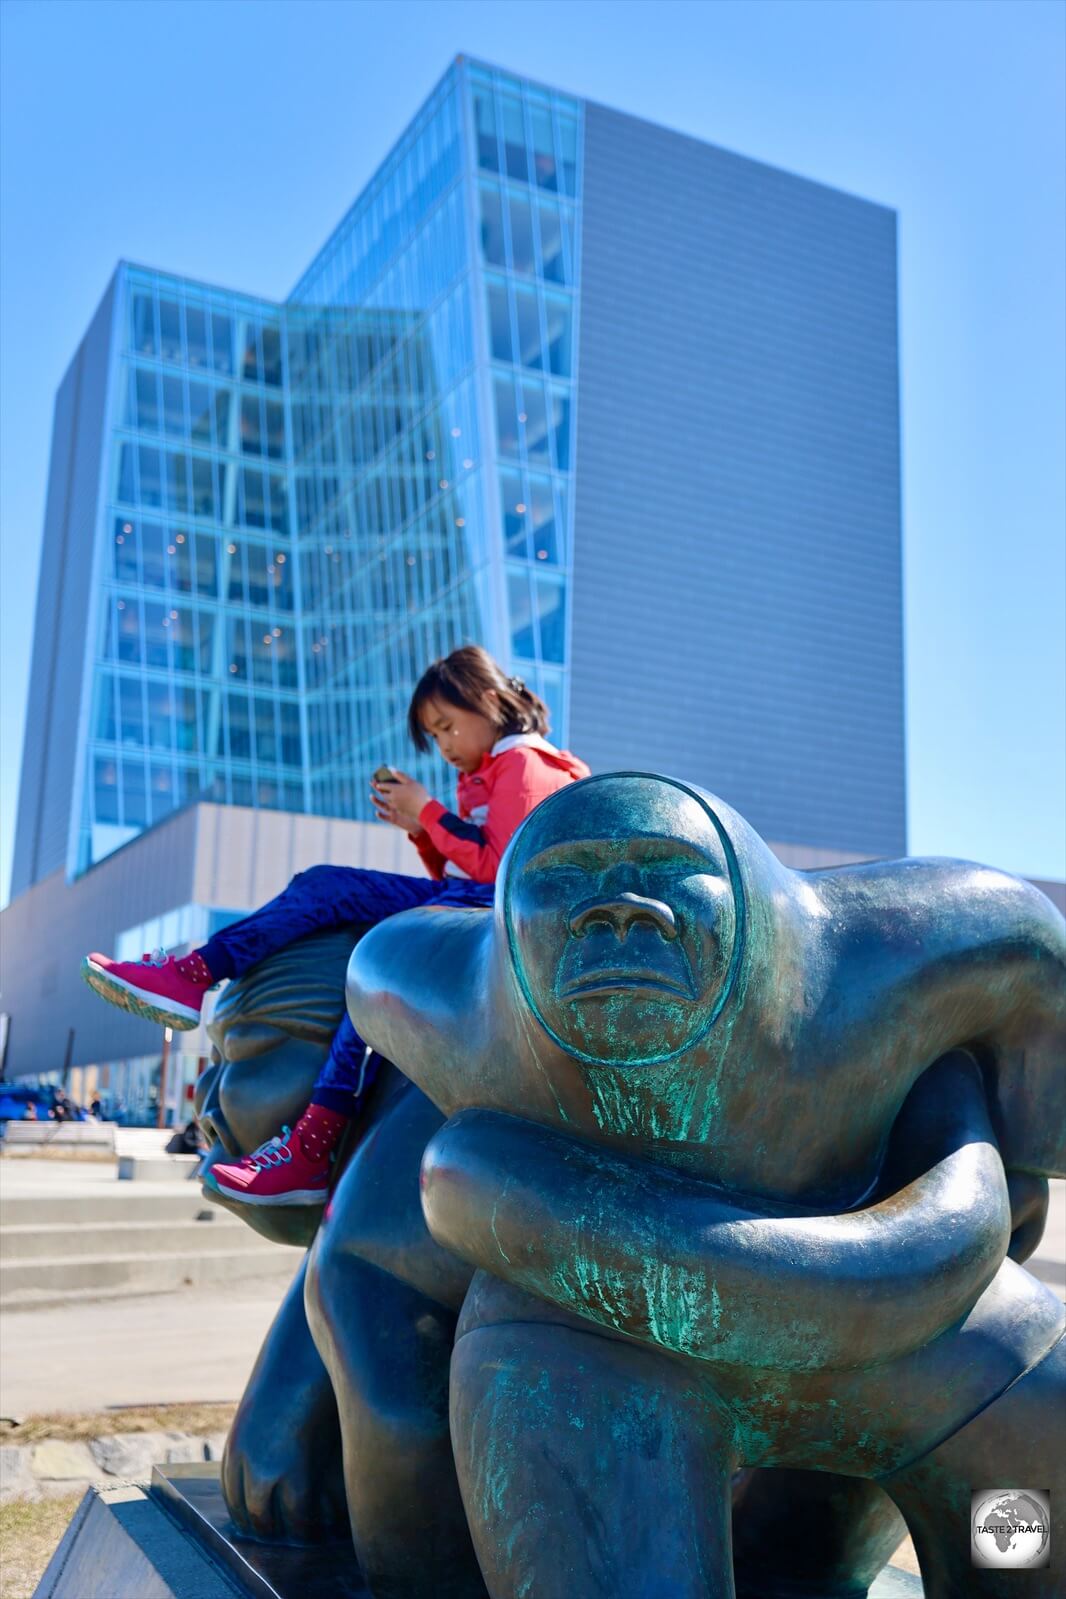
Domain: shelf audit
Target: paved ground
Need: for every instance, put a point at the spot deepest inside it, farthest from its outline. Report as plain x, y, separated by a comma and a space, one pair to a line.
1049, 1262
159, 1349
194, 1344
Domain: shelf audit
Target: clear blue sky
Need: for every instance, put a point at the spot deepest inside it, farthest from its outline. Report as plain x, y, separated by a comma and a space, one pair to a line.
224, 140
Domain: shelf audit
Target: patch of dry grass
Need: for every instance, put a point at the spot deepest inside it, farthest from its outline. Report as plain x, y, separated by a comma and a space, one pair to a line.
67, 1426
29, 1534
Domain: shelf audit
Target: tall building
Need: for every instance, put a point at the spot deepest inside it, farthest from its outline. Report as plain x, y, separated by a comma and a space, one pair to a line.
619, 404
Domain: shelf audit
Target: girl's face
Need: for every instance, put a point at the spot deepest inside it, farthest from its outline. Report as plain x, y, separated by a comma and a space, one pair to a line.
463, 737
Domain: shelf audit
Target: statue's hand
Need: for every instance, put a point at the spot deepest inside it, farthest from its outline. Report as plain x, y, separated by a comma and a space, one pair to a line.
282, 1476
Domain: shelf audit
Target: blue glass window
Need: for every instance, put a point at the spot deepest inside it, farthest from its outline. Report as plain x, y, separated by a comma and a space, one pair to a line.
222, 344
150, 476
528, 317
521, 219
170, 331
523, 636
196, 335
514, 139
130, 711
544, 149
547, 543
499, 322
552, 252
513, 512
568, 156
201, 411
551, 614
105, 789
146, 401
134, 792
144, 335
493, 249
174, 407
506, 417
485, 132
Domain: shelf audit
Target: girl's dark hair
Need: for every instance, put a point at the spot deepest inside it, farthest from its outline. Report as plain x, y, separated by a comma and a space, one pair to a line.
466, 678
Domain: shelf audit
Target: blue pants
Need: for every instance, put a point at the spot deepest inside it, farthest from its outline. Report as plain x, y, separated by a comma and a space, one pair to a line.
330, 896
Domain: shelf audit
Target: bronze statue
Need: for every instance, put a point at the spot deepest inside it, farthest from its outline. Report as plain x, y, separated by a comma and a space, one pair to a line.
738, 1153
385, 1299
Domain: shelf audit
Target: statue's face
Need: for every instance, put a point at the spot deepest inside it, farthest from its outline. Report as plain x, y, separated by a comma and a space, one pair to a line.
622, 918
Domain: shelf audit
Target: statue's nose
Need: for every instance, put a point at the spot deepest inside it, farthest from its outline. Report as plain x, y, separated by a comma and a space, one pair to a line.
620, 912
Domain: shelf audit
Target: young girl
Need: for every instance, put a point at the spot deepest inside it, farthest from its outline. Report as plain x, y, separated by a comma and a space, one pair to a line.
488, 726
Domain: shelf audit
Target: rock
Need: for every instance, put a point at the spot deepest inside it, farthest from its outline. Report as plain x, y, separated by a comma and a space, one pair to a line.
181, 1448
54, 1461
61, 1488
132, 1454
16, 1475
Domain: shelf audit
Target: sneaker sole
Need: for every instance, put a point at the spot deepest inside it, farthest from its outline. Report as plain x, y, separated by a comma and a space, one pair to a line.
298, 1196
138, 1001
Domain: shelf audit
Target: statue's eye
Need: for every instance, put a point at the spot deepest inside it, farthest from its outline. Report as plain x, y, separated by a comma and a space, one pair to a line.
680, 866
563, 877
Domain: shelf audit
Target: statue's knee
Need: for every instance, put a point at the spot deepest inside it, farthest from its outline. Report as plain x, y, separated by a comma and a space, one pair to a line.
325, 1272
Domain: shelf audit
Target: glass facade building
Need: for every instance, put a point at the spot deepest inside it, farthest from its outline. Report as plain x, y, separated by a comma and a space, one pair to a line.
264, 519
302, 504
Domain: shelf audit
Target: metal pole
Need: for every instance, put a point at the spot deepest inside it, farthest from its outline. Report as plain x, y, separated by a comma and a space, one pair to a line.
67, 1060
161, 1112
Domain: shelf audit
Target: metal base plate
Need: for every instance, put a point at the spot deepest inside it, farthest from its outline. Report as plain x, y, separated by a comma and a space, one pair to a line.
193, 1496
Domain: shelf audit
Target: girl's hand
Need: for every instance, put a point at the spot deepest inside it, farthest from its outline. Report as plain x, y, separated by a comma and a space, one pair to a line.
400, 802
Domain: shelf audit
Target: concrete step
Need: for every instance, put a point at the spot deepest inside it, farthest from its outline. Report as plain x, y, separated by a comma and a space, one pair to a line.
104, 1205
142, 1140
217, 1231
59, 1135
34, 1284
157, 1168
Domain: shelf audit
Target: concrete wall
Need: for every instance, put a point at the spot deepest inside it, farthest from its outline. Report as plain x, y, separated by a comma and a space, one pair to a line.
208, 854
737, 608
46, 790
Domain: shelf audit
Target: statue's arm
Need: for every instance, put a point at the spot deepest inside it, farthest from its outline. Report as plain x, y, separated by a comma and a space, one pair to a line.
962, 955
282, 1476
653, 1253
411, 988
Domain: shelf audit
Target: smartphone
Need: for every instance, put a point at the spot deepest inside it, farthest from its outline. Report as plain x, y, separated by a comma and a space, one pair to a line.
384, 774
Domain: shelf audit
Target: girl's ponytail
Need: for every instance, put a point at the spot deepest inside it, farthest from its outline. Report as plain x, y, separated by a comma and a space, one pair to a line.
472, 680
528, 707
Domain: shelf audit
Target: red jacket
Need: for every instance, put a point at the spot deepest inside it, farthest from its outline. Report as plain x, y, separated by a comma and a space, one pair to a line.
519, 772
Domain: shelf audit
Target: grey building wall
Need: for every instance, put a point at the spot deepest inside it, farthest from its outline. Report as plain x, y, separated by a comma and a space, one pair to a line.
50, 746
737, 607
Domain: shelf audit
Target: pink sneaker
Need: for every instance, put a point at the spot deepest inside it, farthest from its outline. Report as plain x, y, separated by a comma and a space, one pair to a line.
163, 989
293, 1169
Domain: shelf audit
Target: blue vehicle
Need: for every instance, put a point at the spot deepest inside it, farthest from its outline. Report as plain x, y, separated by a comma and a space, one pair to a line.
14, 1102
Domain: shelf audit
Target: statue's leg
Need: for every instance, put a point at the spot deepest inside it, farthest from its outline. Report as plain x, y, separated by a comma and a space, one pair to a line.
589, 1467
774, 1553
1015, 1442
387, 1347
281, 1468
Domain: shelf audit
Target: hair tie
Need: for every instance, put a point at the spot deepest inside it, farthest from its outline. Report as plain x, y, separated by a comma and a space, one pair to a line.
517, 684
